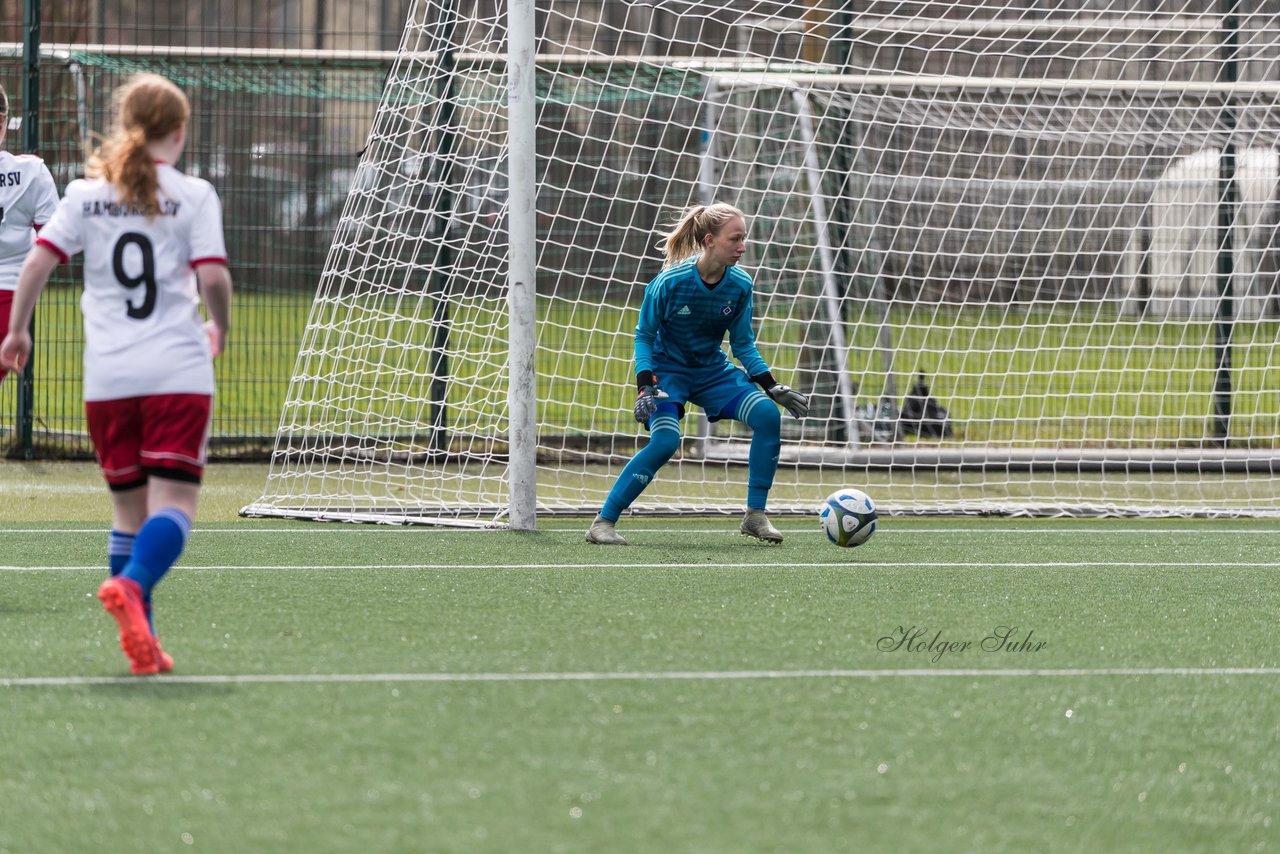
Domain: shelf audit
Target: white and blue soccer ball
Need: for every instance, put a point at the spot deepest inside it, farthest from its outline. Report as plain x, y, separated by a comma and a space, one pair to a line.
848, 517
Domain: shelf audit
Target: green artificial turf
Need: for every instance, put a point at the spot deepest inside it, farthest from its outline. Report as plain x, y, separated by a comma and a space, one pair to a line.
412, 689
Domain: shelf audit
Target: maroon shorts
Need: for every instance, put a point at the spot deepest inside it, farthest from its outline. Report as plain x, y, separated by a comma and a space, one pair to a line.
6, 302
161, 434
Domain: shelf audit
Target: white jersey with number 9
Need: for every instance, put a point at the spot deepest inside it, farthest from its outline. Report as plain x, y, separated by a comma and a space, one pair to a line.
141, 305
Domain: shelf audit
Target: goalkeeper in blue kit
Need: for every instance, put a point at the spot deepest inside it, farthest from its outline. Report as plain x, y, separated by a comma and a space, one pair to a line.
700, 295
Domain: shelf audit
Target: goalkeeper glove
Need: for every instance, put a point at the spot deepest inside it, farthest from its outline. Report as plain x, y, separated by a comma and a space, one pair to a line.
789, 399
648, 397
785, 396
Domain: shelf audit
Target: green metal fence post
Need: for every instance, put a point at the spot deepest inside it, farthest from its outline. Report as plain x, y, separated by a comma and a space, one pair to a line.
442, 211
1228, 203
30, 143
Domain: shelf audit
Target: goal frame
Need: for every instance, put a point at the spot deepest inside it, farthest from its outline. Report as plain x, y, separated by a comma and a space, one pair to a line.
521, 67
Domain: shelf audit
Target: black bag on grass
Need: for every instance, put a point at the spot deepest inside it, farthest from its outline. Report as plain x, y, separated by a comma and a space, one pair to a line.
922, 414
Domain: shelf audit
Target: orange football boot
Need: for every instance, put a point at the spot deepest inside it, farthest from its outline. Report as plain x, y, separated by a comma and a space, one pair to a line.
122, 599
163, 659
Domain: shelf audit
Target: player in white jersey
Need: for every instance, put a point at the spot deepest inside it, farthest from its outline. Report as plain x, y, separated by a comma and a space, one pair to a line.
152, 243
28, 197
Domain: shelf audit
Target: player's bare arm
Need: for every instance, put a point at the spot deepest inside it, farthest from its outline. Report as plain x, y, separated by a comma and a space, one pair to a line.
36, 269
215, 288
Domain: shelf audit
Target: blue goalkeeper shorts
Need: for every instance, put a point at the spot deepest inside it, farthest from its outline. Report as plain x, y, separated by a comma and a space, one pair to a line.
716, 389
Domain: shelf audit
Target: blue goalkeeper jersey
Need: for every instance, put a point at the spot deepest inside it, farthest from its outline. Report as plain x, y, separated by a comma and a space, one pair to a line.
683, 321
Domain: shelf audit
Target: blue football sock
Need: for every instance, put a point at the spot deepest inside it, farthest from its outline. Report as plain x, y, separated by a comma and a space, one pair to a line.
664, 440
159, 544
119, 550
761, 415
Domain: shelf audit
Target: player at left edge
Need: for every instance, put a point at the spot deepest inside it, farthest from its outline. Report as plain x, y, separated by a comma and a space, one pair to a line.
28, 198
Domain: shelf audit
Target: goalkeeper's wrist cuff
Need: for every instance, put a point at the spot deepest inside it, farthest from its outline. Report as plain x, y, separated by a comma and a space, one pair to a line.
765, 380
645, 378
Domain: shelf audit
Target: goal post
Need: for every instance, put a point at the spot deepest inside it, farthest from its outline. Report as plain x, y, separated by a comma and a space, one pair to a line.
522, 213
1064, 223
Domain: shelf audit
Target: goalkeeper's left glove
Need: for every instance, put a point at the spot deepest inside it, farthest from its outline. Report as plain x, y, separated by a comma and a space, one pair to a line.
789, 399
785, 396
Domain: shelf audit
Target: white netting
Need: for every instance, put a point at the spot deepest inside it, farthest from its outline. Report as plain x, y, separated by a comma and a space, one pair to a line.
1025, 206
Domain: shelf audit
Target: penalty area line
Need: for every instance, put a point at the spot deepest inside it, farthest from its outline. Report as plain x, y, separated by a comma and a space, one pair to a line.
849, 564
631, 676
910, 529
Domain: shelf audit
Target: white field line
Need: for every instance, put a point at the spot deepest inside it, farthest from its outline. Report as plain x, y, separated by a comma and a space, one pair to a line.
908, 530
849, 564
632, 676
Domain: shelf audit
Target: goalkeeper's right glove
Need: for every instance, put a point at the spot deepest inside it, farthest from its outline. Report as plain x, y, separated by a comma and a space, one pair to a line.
648, 396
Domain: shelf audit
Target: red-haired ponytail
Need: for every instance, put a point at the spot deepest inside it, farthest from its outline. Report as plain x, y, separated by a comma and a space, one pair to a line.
148, 108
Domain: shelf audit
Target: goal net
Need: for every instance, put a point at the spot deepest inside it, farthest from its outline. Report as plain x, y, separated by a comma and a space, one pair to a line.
1024, 261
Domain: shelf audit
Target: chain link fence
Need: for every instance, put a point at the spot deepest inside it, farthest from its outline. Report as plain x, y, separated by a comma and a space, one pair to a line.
278, 134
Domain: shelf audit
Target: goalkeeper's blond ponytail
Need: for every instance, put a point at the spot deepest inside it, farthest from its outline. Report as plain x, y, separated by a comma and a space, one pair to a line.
688, 233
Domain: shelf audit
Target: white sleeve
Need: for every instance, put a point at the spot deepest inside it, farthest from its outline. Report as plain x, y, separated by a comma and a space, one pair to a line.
64, 232
46, 197
207, 242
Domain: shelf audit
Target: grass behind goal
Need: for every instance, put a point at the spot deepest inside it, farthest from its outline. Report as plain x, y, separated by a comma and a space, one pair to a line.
344, 687
1007, 376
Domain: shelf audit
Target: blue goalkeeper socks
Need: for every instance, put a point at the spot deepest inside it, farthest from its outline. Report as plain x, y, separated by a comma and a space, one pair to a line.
159, 544
664, 441
761, 415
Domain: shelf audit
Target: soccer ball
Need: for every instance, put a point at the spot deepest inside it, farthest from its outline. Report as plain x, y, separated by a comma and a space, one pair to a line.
848, 517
